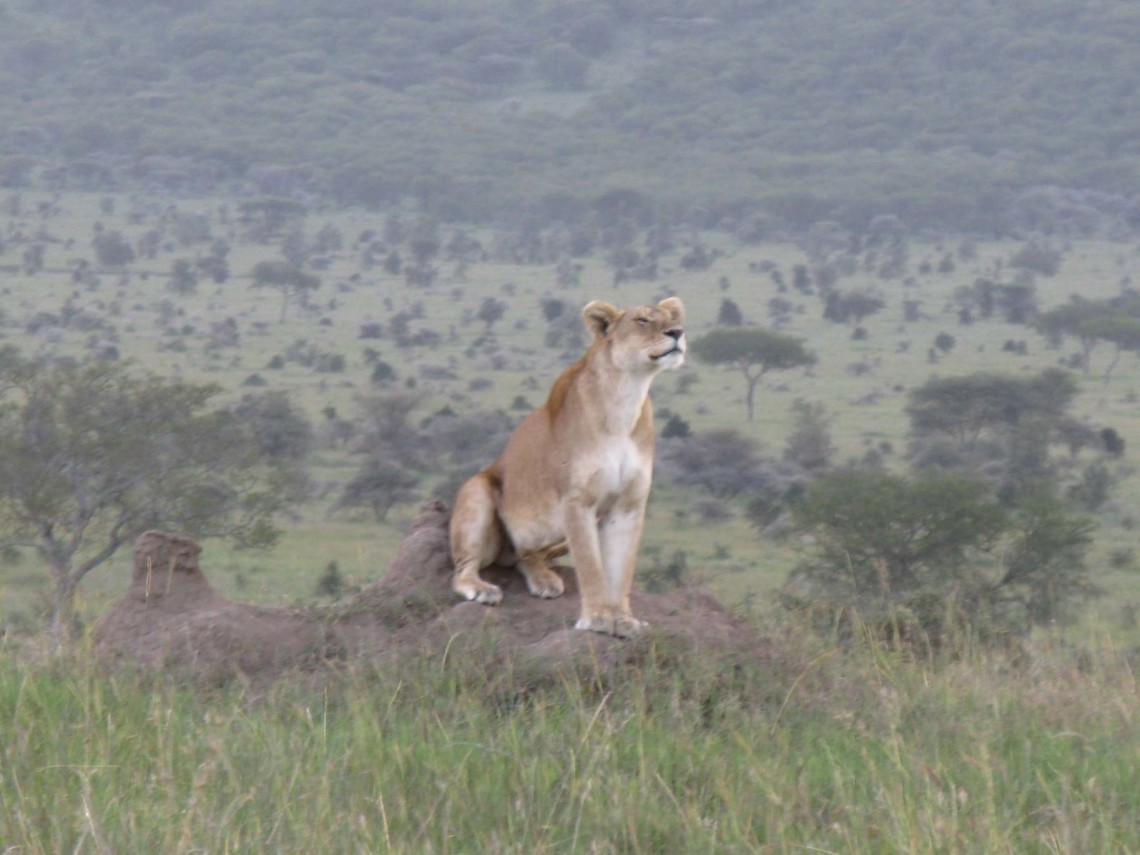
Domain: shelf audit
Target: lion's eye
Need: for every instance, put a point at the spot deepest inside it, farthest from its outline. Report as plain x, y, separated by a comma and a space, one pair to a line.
643, 320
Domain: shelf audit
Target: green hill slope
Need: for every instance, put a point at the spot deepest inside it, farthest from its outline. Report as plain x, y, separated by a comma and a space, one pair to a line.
948, 115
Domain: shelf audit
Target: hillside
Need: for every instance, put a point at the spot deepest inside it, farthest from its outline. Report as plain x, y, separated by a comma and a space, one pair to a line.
978, 116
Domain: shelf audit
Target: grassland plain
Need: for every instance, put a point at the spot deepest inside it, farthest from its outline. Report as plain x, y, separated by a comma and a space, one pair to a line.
826, 749
862, 381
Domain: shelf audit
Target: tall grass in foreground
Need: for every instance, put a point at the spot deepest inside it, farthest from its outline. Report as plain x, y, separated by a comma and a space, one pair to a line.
818, 750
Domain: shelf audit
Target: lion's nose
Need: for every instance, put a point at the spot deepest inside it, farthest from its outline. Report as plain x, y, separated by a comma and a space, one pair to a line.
675, 333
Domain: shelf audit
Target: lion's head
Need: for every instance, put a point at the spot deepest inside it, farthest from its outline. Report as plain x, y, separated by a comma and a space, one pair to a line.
647, 338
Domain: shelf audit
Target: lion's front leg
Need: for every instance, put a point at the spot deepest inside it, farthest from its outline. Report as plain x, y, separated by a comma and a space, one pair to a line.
582, 538
619, 537
596, 550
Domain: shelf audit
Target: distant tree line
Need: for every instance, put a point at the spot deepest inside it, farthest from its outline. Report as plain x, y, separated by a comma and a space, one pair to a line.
734, 114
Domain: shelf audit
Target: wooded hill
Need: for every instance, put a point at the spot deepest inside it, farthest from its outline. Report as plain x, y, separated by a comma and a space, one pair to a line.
978, 115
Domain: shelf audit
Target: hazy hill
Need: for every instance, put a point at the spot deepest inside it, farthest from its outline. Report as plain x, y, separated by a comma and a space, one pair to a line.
978, 114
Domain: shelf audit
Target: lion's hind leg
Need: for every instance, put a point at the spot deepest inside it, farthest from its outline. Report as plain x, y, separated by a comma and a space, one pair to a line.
541, 581
477, 539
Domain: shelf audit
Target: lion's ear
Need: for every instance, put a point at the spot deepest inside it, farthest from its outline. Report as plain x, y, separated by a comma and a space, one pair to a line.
673, 308
599, 316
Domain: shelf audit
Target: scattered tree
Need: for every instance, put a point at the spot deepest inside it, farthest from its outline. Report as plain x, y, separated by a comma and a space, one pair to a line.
676, 428
379, 485
809, 444
1121, 331
91, 456
331, 583
425, 241
290, 280
1079, 318
1037, 258
966, 407
882, 535
112, 249
729, 314
491, 311
279, 428
753, 352
1045, 574
33, 259
722, 461
385, 426
552, 308
183, 280
909, 554
268, 215
853, 306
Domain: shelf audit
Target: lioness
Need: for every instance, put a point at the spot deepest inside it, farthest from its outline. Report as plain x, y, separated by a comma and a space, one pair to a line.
575, 474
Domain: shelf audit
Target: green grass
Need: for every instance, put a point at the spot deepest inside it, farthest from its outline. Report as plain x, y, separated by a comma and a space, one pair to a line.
817, 750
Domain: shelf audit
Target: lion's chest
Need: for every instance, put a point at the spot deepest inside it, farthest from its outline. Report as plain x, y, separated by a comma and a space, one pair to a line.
613, 470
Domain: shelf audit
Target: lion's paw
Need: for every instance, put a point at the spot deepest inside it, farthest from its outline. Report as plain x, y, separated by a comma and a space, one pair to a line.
627, 626
620, 626
596, 623
545, 583
480, 591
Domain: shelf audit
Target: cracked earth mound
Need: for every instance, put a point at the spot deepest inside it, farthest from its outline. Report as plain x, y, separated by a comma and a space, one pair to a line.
172, 620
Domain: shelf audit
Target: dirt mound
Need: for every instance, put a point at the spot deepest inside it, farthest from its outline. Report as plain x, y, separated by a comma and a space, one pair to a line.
171, 619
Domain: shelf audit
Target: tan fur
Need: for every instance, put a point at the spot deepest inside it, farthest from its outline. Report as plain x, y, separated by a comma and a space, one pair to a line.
575, 474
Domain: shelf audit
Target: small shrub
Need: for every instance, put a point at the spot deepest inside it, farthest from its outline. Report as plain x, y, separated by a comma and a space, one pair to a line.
729, 314
331, 583
711, 511
1122, 557
330, 363
1035, 258
663, 576
676, 428
1094, 488
382, 374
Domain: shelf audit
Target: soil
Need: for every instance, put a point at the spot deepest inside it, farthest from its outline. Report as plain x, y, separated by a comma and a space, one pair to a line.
172, 620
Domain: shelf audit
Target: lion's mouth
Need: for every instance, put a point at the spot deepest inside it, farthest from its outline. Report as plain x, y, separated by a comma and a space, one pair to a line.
674, 349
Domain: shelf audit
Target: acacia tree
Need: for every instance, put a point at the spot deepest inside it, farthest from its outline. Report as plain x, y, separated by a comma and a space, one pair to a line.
1076, 318
723, 461
889, 545
879, 536
90, 456
1122, 332
183, 280
809, 444
286, 277
270, 214
491, 311
996, 426
969, 406
753, 352
843, 306
379, 485
112, 249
